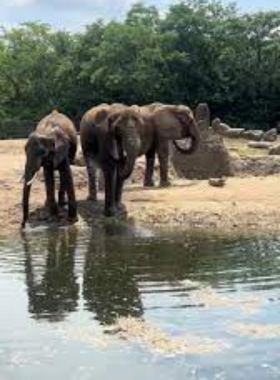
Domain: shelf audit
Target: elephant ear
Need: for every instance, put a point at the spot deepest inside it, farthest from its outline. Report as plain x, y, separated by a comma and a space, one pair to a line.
184, 115
113, 122
114, 137
47, 144
101, 118
167, 121
61, 144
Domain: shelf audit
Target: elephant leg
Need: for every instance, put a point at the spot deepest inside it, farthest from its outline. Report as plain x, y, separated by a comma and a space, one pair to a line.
68, 185
109, 171
62, 191
150, 165
92, 185
163, 156
119, 191
50, 190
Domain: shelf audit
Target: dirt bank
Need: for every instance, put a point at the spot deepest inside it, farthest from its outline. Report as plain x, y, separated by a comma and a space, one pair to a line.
244, 205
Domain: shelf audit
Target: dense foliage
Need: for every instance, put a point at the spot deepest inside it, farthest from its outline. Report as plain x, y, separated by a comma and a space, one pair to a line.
199, 51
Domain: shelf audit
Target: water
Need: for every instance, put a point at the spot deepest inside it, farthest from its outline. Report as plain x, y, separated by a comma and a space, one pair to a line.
129, 305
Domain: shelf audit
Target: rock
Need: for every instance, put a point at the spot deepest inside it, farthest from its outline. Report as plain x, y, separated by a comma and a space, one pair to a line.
211, 160
217, 182
234, 133
274, 150
259, 144
202, 112
270, 135
259, 165
220, 127
254, 135
203, 126
225, 130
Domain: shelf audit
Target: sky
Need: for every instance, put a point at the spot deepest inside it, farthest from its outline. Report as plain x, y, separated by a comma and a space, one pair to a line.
73, 15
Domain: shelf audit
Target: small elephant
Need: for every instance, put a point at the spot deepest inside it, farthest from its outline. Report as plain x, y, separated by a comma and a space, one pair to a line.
162, 124
52, 146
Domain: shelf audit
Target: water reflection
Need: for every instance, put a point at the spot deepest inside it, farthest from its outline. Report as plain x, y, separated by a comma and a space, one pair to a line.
52, 287
118, 269
219, 292
110, 289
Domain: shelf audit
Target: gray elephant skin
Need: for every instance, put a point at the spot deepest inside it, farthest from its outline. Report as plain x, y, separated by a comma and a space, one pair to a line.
113, 136
162, 124
110, 140
51, 146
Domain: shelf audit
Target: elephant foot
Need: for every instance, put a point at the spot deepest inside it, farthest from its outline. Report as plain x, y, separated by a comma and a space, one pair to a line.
121, 209
62, 203
72, 211
109, 211
54, 210
72, 219
92, 198
165, 184
54, 218
149, 183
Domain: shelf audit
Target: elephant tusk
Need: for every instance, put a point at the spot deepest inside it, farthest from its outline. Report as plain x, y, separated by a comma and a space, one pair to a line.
184, 143
22, 179
29, 183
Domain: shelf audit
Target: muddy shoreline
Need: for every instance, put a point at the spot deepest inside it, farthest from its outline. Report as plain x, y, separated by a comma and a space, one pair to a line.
244, 206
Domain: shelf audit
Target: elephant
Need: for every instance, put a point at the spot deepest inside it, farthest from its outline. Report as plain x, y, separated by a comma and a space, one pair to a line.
110, 139
54, 294
52, 146
160, 125
109, 291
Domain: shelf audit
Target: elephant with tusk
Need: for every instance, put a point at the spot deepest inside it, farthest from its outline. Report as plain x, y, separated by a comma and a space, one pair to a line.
52, 146
162, 124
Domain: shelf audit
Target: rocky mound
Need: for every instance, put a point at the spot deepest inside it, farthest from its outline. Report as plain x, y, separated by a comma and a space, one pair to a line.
211, 159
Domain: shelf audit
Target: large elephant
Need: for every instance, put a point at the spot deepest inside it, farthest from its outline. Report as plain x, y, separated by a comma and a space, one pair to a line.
110, 139
52, 146
162, 124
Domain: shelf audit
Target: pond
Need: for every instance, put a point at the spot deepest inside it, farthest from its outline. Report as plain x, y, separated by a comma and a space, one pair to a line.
131, 305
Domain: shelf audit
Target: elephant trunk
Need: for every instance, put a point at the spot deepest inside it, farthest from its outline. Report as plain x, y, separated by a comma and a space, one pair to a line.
131, 146
29, 177
25, 203
192, 134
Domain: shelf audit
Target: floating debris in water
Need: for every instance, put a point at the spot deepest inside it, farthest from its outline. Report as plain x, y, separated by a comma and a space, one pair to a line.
86, 335
136, 330
210, 298
258, 331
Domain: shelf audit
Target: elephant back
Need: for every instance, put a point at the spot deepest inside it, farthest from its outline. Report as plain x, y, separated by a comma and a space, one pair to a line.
59, 120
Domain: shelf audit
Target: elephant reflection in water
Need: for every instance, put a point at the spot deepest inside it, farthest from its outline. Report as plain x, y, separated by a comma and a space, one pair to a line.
54, 293
110, 290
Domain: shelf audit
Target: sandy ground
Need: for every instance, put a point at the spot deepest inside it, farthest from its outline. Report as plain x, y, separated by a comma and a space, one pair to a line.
243, 205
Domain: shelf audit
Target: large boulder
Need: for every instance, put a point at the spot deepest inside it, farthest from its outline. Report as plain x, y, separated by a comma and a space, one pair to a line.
202, 113
219, 127
274, 150
225, 130
254, 135
270, 135
234, 133
211, 160
259, 144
